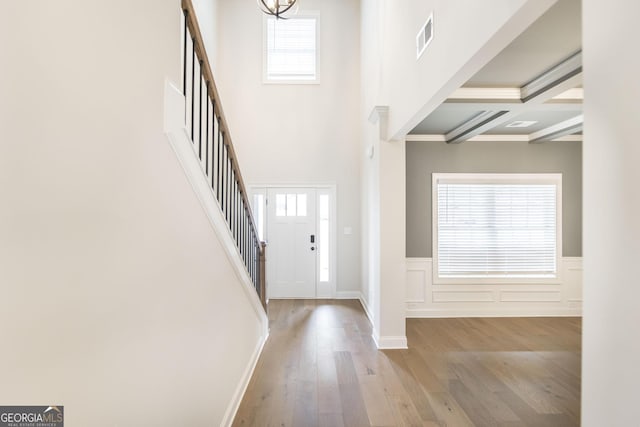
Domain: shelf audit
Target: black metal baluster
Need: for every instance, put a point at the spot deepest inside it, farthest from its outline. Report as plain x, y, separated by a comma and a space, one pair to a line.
223, 191
228, 189
206, 133
257, 284
232, 212
193, 80
200, 113
184, 58
219, 162
234, 205
213, 140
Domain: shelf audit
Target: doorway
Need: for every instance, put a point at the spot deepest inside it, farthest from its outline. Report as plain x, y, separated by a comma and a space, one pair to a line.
298, 225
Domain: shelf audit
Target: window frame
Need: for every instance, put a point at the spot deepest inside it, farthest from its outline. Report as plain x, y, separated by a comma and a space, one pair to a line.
496, 178
265, 76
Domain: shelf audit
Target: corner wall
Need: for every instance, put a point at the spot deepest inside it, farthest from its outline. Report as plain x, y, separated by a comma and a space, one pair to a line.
117, 299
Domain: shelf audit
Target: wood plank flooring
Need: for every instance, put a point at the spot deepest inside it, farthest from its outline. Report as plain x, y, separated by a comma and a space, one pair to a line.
320, 367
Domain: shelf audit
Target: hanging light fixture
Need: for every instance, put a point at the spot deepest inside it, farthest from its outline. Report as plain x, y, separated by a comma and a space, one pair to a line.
276, 7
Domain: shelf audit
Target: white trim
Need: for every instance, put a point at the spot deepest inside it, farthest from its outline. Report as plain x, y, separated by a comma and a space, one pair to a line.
495, 93
425, 138
576, 93
390, 342
348, 295
574, 137
499, 138
486, 138
331, 189
381, 342
422, 34
379, 115
300, 15
552, 178
566, 73
494, 300
179, 140
418, 313
234, 405
366, 308
558, 127
184, 150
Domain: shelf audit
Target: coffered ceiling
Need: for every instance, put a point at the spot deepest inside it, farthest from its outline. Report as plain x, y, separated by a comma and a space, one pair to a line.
531, 91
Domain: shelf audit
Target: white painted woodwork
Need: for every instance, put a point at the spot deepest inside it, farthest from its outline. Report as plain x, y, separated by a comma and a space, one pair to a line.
425, 299
291, 264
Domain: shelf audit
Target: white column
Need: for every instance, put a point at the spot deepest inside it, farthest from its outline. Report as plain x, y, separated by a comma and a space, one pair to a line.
389, 251
611, 345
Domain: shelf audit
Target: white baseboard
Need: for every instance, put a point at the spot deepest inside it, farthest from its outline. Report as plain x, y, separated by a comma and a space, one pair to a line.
348, 295
390, 342
366, 308
470, 312
382, 342
232, 409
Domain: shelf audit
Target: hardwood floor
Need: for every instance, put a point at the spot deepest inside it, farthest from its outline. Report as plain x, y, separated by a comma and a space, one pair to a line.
320, 367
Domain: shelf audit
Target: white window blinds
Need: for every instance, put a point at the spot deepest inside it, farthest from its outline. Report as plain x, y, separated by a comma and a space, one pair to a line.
496, 230
291, 49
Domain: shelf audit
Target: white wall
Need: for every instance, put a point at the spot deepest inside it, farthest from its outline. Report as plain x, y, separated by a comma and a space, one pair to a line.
286, 134
117, 300
207, 15
611, 348
467, 34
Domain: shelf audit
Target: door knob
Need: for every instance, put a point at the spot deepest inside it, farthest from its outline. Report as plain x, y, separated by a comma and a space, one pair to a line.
313, 248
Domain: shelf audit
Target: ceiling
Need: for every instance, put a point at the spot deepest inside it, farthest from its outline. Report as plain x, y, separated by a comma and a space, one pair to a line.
537, 78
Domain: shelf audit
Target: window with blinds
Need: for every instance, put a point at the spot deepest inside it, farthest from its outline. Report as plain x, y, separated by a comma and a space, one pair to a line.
496, 226
291, 50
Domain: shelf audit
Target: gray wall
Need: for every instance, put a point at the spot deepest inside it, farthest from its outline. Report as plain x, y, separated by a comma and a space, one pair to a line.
425, 158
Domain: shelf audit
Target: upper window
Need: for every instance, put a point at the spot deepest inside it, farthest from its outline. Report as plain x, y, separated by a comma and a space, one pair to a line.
503, 227
291, 50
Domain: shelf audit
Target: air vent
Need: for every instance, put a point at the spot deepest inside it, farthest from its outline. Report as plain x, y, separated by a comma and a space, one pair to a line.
424, 37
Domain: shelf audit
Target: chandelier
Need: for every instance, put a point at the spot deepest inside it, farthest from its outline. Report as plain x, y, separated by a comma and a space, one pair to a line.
276, 7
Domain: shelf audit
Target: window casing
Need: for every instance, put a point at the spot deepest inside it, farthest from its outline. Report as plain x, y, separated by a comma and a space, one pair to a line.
291, 49
496, 228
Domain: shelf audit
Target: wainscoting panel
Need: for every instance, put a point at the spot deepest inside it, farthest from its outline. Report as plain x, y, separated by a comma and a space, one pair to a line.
424, 299
462, 296
417, 277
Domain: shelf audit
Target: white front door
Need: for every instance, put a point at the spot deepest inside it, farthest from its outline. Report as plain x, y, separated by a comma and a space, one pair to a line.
292, 243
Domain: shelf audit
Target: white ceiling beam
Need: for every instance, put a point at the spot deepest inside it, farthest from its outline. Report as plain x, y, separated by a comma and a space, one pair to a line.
477, 125
558, 130
425, 138
486, 93
518, 138
561, 77
553, 105
499, 138
500, 105
487, 138
573, 94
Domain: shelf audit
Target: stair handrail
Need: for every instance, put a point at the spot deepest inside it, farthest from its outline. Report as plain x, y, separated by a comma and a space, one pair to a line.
192, 29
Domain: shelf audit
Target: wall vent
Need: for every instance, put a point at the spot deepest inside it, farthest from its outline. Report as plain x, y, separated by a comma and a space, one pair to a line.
424, 37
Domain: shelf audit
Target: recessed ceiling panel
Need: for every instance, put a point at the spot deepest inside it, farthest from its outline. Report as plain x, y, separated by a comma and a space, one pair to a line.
548, 41
441, 121
541, 119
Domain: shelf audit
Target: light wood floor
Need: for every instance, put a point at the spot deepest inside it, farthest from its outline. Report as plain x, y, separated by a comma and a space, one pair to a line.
320, 367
